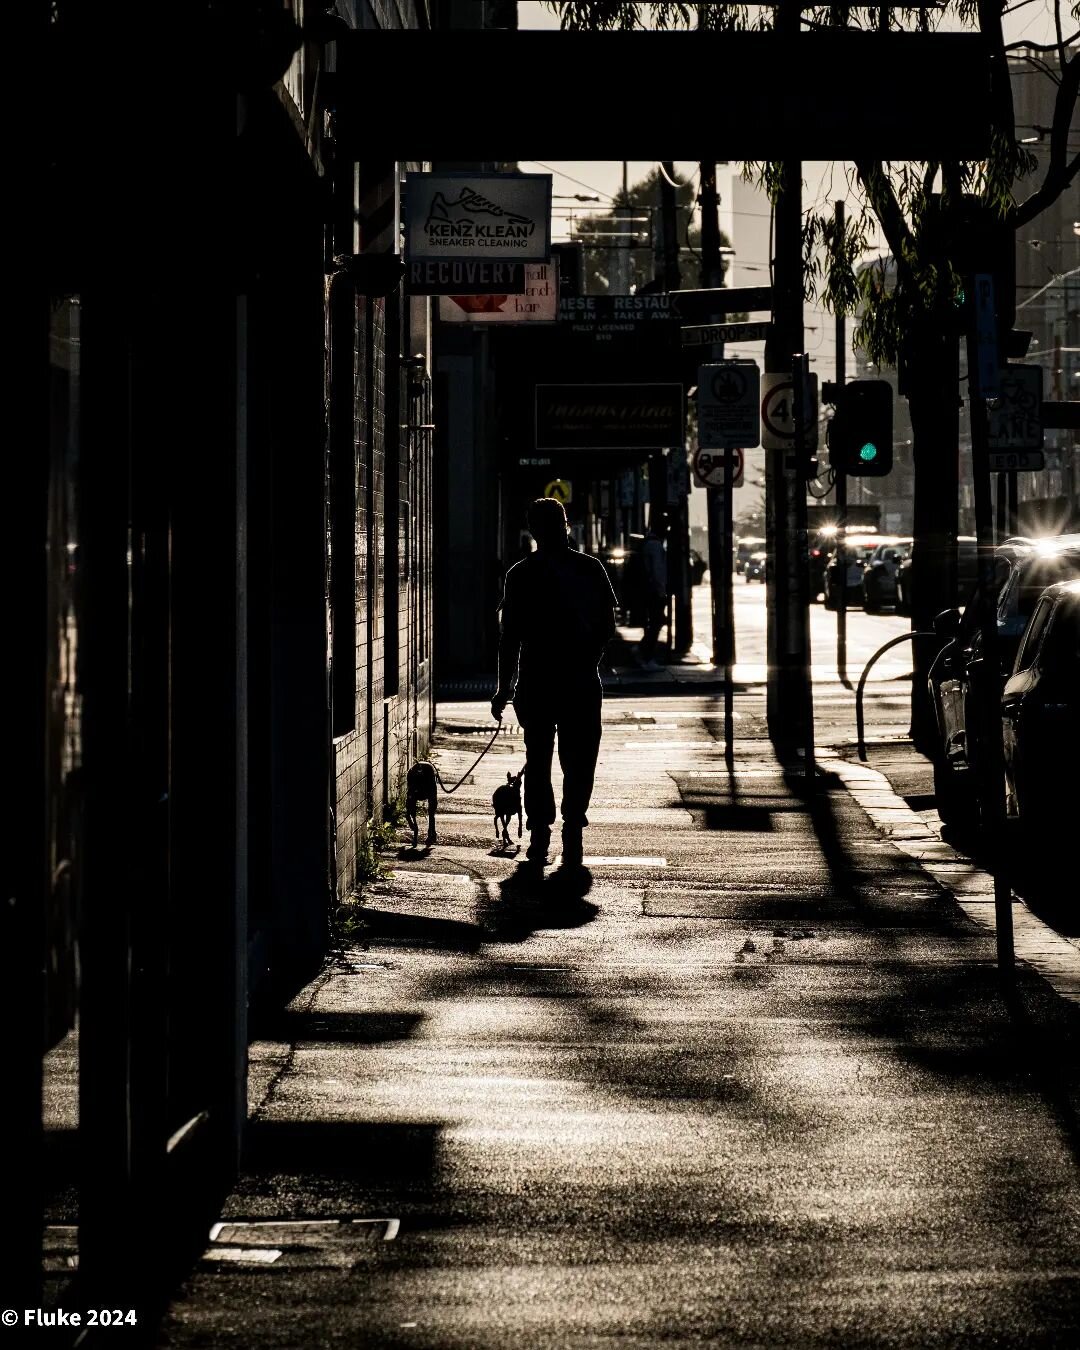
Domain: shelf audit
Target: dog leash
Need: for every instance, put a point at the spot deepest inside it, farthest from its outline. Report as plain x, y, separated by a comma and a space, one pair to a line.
472, 766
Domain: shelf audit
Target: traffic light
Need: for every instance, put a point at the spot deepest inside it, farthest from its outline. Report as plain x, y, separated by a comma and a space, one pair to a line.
861, 432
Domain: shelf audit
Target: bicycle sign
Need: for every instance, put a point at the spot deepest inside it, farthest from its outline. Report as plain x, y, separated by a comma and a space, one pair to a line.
1015, 416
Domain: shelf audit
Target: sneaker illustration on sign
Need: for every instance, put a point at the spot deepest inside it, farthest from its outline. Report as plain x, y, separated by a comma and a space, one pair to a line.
469, 206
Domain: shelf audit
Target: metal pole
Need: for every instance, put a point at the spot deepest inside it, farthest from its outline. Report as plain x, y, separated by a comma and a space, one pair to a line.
841, 495
1001, 507
788, 671
716, 567
986, 672
728, 635
800, 373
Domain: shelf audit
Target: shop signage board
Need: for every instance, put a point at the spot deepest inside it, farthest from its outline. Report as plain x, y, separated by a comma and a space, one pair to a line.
493, 217
609, 416
461, 276
611, 318
537, 303
728, 397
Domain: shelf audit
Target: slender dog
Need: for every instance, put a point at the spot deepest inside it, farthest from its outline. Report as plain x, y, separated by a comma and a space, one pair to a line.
421, 785
506, 803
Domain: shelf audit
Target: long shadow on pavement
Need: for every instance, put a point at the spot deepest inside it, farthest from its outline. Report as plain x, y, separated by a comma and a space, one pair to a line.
530, 899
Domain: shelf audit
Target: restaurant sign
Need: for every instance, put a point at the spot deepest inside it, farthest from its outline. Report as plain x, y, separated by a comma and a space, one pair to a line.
609, 416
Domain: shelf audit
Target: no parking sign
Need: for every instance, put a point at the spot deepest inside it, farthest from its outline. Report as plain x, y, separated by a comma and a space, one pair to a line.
709, 467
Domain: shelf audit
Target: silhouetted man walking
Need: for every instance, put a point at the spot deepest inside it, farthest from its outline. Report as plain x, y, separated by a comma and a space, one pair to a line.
558, 615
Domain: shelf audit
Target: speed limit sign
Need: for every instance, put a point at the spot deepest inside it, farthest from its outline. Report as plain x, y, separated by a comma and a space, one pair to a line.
709, 467
778, 412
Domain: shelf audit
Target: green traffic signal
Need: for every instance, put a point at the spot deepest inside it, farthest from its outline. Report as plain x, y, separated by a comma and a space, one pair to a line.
861, 433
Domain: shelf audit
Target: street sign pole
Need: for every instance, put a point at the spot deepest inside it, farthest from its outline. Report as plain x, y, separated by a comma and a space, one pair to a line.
841, 493
800, 379
728, 631
982, 362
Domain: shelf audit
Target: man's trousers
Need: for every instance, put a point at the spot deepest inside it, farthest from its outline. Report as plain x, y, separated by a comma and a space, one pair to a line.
573, 716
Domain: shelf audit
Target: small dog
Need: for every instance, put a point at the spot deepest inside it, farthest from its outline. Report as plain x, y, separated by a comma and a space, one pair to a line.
506, 802
421, 785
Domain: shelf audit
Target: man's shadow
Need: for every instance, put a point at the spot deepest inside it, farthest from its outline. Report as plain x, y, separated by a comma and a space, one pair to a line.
530, 899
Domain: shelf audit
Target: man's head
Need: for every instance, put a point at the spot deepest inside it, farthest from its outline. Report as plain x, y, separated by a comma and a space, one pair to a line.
547, 522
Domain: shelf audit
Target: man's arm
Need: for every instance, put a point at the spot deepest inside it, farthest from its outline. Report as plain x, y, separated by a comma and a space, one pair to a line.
509, 651
606, 601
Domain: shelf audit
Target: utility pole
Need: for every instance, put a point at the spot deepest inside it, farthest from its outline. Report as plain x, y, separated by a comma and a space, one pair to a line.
982, 383
621, 268
787, 691
720, 500
788, 695
841, 492
681, 622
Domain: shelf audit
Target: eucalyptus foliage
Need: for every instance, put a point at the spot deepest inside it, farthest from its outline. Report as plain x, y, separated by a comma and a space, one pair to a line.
908, 201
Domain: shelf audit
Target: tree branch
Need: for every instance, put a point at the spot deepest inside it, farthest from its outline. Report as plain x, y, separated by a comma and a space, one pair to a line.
883, 199
1060, 171
1044, 46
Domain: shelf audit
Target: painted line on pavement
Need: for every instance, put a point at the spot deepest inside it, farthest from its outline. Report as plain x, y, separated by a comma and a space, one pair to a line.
1037, 945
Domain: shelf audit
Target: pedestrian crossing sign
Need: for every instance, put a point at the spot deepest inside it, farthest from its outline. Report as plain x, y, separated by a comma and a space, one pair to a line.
560, 489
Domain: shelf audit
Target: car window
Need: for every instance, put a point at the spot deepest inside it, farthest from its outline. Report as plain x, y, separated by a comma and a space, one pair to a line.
1037, 573
1061, 644
1025, 657
1007, 598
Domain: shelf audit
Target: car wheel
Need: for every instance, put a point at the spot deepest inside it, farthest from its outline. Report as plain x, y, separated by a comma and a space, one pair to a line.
870, 606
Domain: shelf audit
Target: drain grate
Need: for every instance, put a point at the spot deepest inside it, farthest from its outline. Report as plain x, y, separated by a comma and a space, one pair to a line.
325, 1243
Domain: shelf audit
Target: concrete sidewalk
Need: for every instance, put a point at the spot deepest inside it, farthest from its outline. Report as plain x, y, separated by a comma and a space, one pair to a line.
753, 1085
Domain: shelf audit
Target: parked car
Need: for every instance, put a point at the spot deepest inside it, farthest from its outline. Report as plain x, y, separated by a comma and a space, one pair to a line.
1023, 570
1040, 715
626, 572
879, 574
744, 546
967, 573
857, 551
754, 568
818, 562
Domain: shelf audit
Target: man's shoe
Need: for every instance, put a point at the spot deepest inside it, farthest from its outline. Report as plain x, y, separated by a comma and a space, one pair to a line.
537, 852
572, 850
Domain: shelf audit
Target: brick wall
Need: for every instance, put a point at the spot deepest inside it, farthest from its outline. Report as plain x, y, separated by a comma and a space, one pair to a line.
391, 729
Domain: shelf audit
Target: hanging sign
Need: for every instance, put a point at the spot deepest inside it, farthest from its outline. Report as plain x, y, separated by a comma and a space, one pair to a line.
503, 217
538, 301
464, 277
